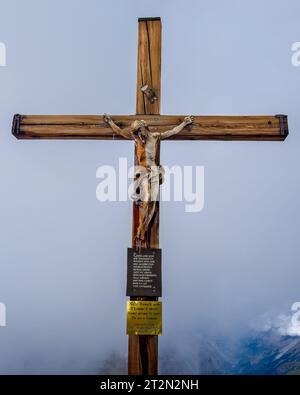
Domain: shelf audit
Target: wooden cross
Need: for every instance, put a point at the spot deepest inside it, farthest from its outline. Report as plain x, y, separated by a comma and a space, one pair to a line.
143, 350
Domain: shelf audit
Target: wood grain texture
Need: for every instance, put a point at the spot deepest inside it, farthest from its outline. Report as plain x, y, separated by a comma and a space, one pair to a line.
204, 127
143, 350
149, 64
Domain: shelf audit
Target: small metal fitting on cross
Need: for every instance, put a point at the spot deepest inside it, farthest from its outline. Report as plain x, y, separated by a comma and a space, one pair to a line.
149, 93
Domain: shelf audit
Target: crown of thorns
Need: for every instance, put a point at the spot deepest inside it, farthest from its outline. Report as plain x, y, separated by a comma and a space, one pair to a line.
136, 125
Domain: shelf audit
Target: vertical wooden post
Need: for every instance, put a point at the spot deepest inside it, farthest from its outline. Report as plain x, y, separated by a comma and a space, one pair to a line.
143, 350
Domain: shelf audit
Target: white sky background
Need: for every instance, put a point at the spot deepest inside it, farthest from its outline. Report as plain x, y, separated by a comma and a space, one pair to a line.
63, 254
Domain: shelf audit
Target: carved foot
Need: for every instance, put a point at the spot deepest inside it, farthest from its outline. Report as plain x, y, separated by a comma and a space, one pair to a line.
138, 243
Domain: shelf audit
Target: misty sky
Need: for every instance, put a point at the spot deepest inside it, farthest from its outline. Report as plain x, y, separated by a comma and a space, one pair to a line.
63, 253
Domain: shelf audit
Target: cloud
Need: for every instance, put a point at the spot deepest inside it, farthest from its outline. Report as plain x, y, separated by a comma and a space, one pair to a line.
282, 324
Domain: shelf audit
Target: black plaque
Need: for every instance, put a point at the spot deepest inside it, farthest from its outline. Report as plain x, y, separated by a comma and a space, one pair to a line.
144, 272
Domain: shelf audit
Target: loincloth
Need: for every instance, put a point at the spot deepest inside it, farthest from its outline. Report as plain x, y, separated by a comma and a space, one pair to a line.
146, 183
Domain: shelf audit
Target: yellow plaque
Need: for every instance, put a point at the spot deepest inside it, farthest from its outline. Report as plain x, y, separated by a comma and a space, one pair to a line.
144, 318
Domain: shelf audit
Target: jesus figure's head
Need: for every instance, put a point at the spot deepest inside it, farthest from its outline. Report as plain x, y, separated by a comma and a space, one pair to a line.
140, 128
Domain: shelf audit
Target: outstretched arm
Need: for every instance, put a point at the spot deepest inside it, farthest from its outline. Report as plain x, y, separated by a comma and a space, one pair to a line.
177, 129
122, 132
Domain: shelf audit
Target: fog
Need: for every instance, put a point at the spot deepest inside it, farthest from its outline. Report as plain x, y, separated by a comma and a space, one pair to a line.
63, 253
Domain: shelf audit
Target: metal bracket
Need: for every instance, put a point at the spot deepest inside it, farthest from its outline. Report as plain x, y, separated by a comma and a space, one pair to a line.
16, 125
149, 19
283, 122
150, 93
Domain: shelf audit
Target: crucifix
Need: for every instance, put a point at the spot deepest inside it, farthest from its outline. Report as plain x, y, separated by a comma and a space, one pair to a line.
147, 128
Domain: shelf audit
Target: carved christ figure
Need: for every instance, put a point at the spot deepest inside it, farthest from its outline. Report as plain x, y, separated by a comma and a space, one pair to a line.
148, 175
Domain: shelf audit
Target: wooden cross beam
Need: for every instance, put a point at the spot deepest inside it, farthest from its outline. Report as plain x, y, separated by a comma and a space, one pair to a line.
143, 350
92, 127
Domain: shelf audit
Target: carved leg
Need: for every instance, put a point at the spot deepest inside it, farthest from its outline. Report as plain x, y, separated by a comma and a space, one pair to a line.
155, 178
141, 231
145, 197
149, 194
147, 211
